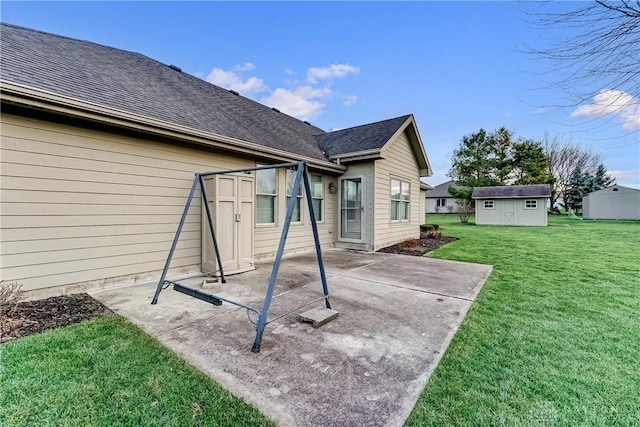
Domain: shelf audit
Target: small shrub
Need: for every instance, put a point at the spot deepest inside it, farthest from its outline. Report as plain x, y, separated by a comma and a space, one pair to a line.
465, 210
10, 296
429, 227
433, 234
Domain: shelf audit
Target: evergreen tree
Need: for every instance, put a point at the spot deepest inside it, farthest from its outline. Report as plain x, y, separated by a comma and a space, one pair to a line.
501, 164
530, 163
583, 183
472, 163
575, 190
601, 179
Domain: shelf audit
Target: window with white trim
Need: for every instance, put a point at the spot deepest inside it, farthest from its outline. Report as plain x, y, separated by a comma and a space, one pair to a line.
291, 177
400, 200
488, 204
441, 203
531, 204
317, 196
266, 195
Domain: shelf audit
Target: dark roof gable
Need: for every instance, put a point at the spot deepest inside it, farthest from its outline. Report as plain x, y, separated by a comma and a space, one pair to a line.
360, 138
512, 191
442, 190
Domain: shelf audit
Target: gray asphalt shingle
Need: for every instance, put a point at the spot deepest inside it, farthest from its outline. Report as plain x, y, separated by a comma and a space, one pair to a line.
360, 138
442, 190
137, 84
512, 191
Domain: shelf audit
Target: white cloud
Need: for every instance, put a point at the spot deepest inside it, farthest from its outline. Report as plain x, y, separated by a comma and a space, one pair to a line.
231, 80
314, 92
609, 102
622, 175
247, 66
293, 103
333, 71
541, 110
348, 100
299, 99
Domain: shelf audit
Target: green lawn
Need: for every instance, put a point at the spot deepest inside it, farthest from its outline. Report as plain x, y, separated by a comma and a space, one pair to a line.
553, 338
107, 372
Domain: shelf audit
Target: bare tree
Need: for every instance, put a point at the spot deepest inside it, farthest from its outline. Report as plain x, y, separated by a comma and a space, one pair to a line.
563, 159
465, 209
600, 60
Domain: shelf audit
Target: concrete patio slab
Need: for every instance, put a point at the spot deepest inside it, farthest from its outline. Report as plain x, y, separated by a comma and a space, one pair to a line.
367, 367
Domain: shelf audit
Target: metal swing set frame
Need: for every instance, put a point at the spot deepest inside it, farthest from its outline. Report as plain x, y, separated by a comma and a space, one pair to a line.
302, 176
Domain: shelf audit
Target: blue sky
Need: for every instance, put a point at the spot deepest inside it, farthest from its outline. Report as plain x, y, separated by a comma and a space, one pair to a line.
457, 66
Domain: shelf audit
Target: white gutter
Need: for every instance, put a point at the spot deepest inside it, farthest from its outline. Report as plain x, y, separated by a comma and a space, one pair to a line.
48, 101
357, 155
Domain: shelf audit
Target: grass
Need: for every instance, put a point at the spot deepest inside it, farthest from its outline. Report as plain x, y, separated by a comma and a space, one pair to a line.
553, 339
107, 372
554, 336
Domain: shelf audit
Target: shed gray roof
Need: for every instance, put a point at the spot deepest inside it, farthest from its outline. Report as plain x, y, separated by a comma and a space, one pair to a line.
441, 190
512, 191
360, 138
136, 84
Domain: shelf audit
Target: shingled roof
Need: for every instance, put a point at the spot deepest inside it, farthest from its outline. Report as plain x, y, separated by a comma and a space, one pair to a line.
441, 190
136, 84
512, 191
360, 138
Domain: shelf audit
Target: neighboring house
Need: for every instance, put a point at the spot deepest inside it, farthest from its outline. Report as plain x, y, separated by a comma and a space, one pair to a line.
439, 200
615, 202
99, 148
512, 204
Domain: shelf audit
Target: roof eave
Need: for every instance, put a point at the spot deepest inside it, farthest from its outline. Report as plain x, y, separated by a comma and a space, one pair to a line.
51, 102
511, 197
357, 156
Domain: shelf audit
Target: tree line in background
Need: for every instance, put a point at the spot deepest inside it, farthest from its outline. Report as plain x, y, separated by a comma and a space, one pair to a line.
500, 158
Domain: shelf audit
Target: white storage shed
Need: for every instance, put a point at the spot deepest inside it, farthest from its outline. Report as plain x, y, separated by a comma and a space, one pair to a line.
512, 204
615, 202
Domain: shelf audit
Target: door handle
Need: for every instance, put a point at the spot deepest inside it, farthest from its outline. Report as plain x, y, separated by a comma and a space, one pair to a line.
238, 217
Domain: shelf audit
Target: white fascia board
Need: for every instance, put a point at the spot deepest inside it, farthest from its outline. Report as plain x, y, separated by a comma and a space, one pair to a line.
48, 101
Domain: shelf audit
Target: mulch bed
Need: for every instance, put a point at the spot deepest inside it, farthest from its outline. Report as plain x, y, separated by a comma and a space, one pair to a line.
32, 317
418, 247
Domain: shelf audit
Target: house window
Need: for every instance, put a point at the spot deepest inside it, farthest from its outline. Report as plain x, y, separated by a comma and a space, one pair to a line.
400, 200
266, 196
531, 204
488, 204
615, 189
317, 196
291, 177
441, 203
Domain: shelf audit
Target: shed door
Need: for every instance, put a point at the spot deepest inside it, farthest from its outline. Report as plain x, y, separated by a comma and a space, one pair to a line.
509, 213
231, 204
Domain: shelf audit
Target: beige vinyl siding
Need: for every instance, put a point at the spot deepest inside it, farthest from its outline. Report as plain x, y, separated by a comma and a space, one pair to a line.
300, 237
398, 163
83, 209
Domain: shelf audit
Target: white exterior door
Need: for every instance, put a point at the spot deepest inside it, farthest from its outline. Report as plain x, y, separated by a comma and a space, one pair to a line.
231, 205
351, 209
